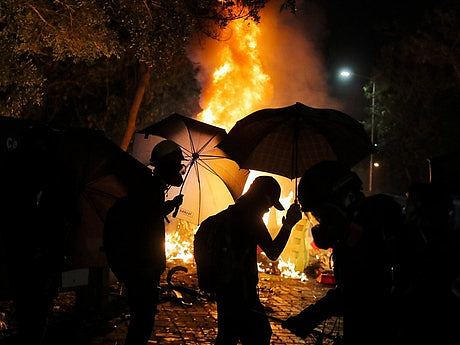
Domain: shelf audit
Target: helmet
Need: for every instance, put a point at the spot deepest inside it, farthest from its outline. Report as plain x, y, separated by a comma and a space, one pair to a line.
165, 149
324, 182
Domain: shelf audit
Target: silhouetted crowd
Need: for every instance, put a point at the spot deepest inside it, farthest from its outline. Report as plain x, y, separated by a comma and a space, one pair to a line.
396, 266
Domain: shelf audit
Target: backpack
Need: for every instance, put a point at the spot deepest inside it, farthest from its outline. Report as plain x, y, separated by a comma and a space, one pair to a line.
214, 256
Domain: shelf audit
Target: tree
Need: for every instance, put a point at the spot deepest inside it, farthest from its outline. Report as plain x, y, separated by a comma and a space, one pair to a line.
88, 58
419, 97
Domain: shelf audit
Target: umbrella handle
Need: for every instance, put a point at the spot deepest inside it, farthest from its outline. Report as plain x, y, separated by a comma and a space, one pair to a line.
296, 199
176, 210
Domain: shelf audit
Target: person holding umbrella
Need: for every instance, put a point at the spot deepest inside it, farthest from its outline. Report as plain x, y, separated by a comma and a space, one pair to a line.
134, 238
241, 316
365, 236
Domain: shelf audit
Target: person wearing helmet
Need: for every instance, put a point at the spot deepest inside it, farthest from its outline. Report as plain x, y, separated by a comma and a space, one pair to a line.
362, 233
166, 158
134, 238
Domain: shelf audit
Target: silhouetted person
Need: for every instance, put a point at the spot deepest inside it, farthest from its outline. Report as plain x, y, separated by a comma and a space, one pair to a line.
362, 232
134, 239
431, 309
39, 209
241, 316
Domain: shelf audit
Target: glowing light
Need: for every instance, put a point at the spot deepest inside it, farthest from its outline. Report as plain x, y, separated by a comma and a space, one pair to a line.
239, 83
238, 86
222, 71
178, 249
288, 270
345, 73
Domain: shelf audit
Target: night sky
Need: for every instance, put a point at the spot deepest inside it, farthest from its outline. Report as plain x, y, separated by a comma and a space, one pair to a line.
356, 31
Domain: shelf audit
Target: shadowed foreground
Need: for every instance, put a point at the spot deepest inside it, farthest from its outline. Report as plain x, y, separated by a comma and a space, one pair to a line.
185, 320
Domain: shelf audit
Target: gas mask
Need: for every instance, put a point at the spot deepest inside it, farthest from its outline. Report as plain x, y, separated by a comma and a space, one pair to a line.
332, 227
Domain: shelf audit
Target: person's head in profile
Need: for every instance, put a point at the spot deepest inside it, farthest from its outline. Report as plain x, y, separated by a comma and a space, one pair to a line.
263, 193
166, 158
329, 183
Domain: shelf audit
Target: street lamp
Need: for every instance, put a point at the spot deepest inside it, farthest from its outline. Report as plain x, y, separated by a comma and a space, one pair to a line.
346, 74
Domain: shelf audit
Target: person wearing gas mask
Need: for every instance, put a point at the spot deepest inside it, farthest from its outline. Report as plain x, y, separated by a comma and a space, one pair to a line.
363, 233
134, 238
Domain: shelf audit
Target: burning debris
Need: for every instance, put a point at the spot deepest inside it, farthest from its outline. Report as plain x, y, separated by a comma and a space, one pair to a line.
3, 325
237, 79
279, 267
178, 248
313, 261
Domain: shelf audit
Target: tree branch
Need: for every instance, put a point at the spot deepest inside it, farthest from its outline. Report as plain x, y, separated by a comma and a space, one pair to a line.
134, 111
148, 8
40, 16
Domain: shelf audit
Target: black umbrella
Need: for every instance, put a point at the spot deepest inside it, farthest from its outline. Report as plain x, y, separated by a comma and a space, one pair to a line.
102, 172
60, 177
287, 141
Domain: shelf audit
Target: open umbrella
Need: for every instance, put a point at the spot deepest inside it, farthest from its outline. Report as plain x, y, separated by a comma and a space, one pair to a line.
212, 181
102, 172
287, 141
75, 175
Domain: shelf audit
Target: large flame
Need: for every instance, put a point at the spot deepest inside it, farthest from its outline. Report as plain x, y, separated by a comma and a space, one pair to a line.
239, 83
257, 66
239, 86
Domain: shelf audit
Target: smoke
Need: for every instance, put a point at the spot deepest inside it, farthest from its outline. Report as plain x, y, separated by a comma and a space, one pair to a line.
289, 49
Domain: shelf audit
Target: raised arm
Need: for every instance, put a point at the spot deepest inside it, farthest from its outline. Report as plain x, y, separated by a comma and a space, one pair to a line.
273, 248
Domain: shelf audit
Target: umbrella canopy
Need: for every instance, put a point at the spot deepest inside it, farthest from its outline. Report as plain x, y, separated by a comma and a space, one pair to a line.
63, 177
102, 172
287, 141
213, 181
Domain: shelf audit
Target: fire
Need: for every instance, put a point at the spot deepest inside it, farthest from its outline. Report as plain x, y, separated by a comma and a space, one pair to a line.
239, 84
179, 241
287, 269
178, 249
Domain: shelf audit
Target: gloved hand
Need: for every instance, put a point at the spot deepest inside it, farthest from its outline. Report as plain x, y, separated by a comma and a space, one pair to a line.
172, 205
298, 326
293, 215
178, 200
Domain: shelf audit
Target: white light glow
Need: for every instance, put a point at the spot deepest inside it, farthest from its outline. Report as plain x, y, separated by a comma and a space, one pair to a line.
345, 73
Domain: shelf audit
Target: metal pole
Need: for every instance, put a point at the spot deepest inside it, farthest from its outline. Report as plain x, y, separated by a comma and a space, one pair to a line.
371, 160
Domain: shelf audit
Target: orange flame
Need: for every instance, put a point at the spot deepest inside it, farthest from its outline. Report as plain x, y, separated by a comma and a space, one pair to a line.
238, 87
178, 249
239, 83
236, 81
